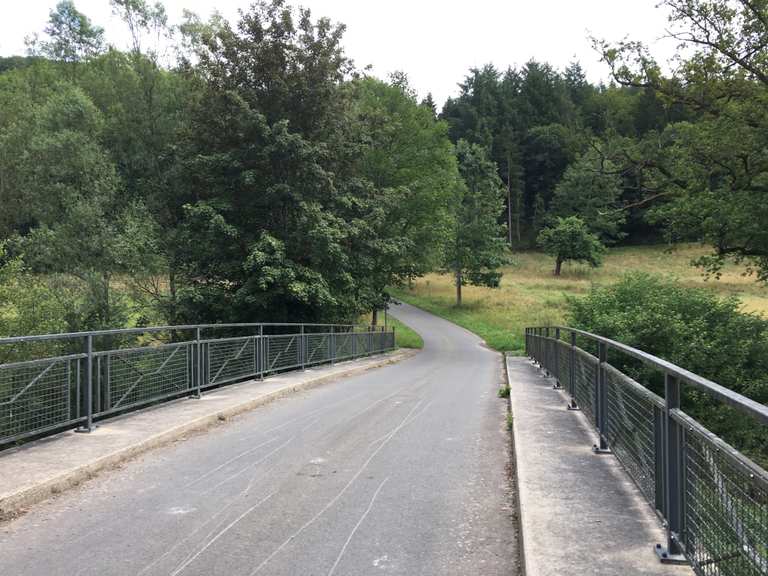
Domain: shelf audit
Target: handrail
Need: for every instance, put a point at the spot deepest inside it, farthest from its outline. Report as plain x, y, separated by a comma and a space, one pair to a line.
181, 327
755, 409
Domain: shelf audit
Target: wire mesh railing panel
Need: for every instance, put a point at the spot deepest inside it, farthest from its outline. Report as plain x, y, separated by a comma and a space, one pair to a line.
389, 337
318, 348
344, 343
283, 352
38, 395
563, 363
232, 359
630, 422
585, 382
362, 344
726, 509
143, 375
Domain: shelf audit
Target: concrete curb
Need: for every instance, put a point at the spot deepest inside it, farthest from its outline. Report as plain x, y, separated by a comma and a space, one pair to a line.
15, 503
523, 562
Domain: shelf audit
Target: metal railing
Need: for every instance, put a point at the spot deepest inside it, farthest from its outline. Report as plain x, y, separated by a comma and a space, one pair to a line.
712, 499
55, 382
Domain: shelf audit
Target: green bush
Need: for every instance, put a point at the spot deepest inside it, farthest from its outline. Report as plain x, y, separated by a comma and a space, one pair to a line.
695, 329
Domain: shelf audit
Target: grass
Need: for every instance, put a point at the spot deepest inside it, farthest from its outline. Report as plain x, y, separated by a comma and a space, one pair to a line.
405, 336
530, 295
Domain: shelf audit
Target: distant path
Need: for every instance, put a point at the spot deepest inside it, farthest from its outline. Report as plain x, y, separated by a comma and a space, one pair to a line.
401, 470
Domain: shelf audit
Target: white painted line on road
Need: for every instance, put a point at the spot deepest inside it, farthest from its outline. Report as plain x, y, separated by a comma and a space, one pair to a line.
359, 522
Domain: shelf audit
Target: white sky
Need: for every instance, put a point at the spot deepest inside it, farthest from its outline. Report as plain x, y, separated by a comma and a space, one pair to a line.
434, 41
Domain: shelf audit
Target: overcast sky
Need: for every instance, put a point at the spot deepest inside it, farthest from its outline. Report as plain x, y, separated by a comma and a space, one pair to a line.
434, 41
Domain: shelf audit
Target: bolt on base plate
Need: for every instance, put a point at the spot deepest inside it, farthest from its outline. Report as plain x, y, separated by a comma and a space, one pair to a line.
666, 558
597, 450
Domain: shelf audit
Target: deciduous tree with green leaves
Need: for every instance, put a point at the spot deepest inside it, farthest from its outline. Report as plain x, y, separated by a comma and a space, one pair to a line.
590, 189
707, 178
476, 249
71, 37
569, 239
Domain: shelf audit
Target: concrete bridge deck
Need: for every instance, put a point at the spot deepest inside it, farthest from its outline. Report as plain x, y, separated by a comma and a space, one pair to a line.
398, 470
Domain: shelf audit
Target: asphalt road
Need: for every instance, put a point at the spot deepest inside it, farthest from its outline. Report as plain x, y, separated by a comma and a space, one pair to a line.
401, 470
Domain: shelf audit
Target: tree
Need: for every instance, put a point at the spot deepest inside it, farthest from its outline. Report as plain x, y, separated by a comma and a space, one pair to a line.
276, 222
547, 152
410, 163
708, 174
570, 239
144, 20
590, 189
71, 35
476, 249
83, 228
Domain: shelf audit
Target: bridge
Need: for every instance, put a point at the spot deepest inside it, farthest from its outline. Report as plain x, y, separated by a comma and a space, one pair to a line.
239, 462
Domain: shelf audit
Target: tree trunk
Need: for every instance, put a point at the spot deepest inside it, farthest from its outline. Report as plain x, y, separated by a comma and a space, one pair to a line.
171, 309
558, 266
509, 200
458, 288
518, 193
375, 317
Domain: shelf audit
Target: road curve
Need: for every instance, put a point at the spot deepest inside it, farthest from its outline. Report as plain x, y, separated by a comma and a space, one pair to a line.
401, 470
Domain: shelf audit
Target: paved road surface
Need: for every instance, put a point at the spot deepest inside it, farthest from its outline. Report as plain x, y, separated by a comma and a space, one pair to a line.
401, 470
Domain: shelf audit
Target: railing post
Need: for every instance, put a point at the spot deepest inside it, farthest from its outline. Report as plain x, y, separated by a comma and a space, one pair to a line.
556, 354
394, 339
332, 347
572, 373
529, 343
540, 347
525, 342
674, 490
262, 351
601, 403
302, 348
199, 361
545, 365
658, 452
88, 426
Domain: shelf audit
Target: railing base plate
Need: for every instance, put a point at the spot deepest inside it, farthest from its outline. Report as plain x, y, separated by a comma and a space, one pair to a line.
666, 558
86, 429
597, 450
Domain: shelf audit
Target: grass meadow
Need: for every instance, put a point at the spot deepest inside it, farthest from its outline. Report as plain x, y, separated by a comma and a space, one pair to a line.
530, 295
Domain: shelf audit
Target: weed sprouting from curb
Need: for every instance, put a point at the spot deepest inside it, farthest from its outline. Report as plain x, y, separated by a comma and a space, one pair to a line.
510, 422
504, 391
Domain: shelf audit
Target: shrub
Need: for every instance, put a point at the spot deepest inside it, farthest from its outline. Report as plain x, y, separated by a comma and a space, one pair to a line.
695, 329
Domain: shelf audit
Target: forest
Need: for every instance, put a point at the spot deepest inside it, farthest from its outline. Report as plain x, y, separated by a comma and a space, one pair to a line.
220, 171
